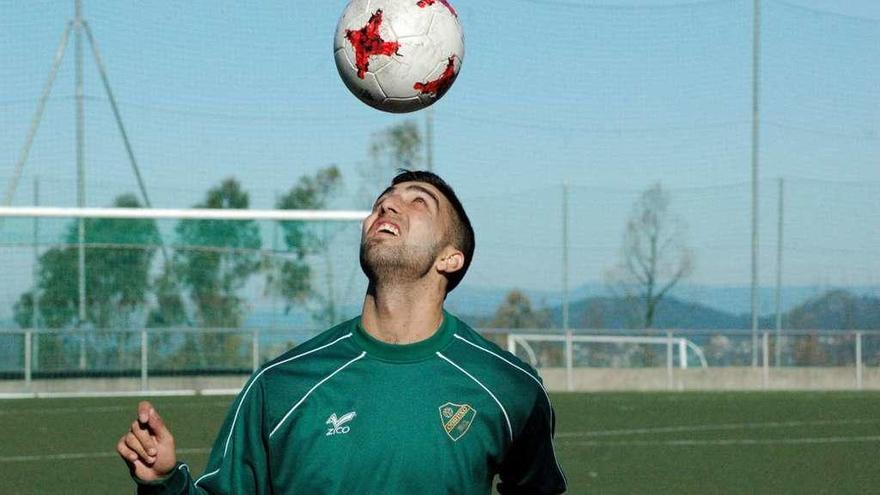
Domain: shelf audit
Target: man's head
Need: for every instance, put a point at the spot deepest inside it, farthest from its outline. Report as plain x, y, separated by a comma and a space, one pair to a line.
417, 226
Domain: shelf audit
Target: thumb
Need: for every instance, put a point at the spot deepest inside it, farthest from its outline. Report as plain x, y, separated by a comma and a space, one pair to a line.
144, 408
157, 426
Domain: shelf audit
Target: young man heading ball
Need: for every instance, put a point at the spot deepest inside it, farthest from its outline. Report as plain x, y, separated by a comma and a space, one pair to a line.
403, 399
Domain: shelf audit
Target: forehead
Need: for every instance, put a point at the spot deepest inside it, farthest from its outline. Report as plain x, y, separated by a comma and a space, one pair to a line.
415, 186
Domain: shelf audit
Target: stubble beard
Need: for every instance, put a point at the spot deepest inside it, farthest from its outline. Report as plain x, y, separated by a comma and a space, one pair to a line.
391, 265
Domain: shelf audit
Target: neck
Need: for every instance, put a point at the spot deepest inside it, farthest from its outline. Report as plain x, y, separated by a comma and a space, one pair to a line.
402, 314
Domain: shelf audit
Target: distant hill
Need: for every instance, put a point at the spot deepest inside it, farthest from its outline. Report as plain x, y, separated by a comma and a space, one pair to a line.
609, 312
735, 300
835, 309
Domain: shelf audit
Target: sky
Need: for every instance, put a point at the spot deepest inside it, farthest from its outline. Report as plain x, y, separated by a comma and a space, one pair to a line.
606, 97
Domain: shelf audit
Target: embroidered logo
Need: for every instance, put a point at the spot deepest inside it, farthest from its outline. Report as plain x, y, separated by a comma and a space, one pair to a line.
456, 419
337, 424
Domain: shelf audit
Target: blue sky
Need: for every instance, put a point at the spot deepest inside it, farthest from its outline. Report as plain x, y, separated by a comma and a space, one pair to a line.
606, 96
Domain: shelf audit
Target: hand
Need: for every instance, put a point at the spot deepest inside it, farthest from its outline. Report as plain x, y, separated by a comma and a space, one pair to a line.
148, 446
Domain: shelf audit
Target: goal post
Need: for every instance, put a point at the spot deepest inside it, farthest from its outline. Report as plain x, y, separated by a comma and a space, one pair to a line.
176, 214
677, 345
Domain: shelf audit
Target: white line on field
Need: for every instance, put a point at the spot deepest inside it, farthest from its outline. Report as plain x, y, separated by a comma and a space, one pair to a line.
715, 427
100, 409
738, 441
121, 393
81, 455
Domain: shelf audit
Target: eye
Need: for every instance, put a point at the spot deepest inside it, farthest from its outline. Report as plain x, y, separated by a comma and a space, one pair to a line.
419, 199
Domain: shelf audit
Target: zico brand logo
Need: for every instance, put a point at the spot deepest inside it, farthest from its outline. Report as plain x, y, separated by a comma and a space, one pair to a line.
336, 424
456, 419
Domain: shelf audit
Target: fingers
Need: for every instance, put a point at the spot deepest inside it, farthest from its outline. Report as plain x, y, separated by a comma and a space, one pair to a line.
132, 452
148, 446
135, 445
126, 453
143, 436
157, 426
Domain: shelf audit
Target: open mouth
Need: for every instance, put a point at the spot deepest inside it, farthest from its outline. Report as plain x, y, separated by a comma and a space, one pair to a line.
388, 228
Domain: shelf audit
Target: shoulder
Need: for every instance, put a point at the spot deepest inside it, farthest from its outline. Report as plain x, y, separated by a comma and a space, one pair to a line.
505, 371
320, 351
287, 378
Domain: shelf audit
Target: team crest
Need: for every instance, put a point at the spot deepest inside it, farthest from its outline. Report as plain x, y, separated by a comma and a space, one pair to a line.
456, 419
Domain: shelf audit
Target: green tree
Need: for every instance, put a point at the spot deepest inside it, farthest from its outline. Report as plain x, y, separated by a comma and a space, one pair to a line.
291, 276
398, 146
118, 257
169, 309
517, 312
216, 258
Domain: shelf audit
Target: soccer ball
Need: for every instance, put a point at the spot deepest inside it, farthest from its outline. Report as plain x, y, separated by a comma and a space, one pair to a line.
398, 55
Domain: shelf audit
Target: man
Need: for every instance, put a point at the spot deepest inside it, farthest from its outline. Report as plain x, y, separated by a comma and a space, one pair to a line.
403, 399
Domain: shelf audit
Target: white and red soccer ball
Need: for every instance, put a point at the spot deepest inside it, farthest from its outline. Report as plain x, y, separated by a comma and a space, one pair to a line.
398, 55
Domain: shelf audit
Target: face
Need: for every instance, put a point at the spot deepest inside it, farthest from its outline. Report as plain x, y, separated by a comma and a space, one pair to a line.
403, 236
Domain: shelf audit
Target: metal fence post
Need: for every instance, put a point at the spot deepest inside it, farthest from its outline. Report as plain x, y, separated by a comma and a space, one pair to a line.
765, 365
682, 354
569, 360
144, 360
670, 379
255, 348
859, 360
28, 335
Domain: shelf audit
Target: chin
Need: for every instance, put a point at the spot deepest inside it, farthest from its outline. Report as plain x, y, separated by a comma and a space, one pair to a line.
376, 259
382, 264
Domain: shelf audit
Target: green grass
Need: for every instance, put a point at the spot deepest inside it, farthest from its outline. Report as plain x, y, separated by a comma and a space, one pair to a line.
608, 443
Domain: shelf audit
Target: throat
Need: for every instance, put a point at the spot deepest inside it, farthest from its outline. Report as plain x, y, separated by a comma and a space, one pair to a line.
401, 317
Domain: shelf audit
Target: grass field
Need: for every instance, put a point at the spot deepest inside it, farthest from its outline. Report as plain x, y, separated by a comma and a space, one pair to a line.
608, 443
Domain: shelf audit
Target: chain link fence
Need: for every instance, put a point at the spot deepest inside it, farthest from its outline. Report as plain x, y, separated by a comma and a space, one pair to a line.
187, 360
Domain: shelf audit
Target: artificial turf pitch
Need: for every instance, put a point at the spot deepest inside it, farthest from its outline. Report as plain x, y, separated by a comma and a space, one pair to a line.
632, 443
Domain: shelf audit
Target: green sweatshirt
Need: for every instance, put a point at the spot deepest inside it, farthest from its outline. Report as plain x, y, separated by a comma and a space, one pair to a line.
345, 413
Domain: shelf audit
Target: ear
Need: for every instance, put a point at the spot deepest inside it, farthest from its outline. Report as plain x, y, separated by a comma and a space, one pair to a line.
451, 260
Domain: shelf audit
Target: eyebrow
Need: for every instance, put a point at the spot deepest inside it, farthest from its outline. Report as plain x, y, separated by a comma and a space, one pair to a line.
426, 191
417, 187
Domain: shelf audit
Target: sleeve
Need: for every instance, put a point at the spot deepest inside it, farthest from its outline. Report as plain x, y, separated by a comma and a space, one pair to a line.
238, 462
530, 465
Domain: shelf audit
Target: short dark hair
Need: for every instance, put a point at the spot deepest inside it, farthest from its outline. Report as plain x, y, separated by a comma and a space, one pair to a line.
461, 233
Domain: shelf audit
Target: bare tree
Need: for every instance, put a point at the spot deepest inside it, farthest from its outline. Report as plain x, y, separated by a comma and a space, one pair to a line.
654, 257
395, 147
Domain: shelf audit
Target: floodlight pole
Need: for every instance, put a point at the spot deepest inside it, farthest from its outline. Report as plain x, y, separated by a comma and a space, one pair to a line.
106, 82
35, 319
779, 245
78, 25
569, 341
565, 308
756, 53
80, 166
128, 148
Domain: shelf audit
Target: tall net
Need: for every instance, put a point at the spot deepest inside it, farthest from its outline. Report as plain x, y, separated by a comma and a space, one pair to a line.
564, 115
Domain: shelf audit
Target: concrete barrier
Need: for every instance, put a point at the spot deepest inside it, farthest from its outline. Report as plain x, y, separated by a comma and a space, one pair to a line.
584, 380
707, 379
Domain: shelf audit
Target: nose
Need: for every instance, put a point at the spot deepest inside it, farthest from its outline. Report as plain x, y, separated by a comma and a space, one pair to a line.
390, 203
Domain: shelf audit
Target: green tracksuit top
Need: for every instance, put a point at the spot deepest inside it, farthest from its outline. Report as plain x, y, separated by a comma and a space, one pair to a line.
345, 413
